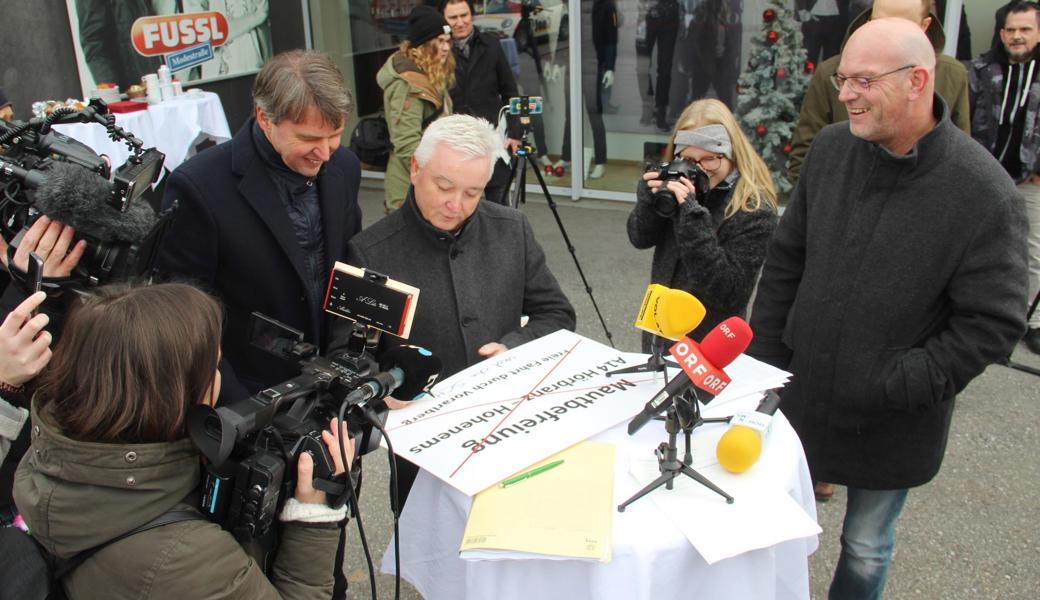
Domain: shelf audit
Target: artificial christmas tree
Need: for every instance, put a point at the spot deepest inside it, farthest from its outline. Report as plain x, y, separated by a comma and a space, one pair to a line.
771, 90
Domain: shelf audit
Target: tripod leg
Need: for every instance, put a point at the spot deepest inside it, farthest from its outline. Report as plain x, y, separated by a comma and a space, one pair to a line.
701, 479
570, 248
512, 175
521, 183
664, 479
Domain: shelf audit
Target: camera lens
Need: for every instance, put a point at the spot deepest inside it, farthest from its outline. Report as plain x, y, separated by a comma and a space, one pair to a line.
664, 203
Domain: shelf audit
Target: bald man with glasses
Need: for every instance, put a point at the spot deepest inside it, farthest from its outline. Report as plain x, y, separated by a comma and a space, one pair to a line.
821, 106
894, 278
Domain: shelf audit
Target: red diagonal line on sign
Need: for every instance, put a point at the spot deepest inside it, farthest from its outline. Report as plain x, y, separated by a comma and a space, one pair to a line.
448, 413
523, 399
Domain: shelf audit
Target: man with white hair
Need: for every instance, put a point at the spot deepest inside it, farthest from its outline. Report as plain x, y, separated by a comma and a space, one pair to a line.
895, 277
477, 264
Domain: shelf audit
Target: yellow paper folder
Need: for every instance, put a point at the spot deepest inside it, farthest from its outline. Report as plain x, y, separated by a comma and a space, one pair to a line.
565, 512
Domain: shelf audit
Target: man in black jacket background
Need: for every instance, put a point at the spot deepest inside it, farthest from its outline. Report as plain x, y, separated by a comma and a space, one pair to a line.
484, 83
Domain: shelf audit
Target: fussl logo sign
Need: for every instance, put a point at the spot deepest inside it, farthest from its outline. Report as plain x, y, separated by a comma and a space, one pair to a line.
154, 36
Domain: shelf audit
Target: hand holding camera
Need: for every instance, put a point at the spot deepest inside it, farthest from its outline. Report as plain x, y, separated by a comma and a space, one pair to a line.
51, 241
305, 491
672, 184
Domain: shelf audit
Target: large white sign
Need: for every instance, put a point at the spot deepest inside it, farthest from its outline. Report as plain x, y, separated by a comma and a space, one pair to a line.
497, 417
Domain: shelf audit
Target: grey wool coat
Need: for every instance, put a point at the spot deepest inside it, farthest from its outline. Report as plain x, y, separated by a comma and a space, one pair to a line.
891, 282
473, 287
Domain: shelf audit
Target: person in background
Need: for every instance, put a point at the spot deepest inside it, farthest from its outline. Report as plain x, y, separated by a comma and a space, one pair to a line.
895, 277
821, 106
711, 247
484, 83
111, 453
1005, 101
415, 82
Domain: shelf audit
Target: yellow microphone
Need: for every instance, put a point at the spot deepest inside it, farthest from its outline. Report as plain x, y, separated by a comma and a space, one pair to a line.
668, 312
741, 445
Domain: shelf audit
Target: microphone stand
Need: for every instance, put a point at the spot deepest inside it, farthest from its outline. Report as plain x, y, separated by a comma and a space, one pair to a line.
1007, 362
683, 414
656, 363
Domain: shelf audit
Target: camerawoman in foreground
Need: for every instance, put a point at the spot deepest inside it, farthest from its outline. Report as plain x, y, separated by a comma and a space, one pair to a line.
708, 214
109, 454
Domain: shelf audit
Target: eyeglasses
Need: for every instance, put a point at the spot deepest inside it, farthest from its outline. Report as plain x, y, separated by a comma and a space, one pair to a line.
709, 163
862, 84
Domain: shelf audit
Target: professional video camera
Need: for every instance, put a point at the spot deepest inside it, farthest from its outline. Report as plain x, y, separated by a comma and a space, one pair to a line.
45, 172
664, 202
253, 445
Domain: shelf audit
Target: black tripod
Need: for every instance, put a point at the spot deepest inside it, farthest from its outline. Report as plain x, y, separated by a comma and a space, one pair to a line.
683, 414
1007, 362
524, 155
656, 363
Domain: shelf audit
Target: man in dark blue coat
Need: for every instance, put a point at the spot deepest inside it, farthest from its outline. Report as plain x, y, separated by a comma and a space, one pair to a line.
263, 217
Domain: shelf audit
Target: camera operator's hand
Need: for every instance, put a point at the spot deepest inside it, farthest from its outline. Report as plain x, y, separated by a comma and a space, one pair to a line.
50, 240
682, 189
512, 144
24, 345
305, 491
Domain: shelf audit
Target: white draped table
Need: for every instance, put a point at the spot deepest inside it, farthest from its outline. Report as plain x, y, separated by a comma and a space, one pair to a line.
652, 560
174, 127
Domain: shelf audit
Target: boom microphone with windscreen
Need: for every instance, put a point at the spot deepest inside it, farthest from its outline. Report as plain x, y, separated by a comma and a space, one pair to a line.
81, 199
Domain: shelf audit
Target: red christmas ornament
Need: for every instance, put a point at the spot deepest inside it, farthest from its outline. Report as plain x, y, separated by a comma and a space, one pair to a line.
769, 15
772, 37
559, 171
760, 129
548, 170
787, 148
810, 67
781, 73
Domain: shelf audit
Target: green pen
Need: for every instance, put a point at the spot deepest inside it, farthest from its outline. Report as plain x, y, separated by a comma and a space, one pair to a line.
531, 473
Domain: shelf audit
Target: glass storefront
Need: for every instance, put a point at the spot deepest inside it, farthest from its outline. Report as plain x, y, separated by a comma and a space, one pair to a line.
664, 54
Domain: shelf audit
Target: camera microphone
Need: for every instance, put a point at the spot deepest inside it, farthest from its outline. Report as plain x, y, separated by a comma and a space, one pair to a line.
80, 199
406, 371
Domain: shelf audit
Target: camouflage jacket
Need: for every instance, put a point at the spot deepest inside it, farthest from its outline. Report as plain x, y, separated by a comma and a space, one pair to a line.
986, 92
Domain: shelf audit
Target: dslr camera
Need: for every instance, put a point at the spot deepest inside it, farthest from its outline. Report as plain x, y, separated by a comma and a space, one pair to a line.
664, 202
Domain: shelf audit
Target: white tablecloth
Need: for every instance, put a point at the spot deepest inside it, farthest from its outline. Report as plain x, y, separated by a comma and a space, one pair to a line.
652, 560
174, 127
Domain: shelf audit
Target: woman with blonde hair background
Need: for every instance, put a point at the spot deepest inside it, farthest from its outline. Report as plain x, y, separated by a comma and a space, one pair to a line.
415, 82
714, 241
